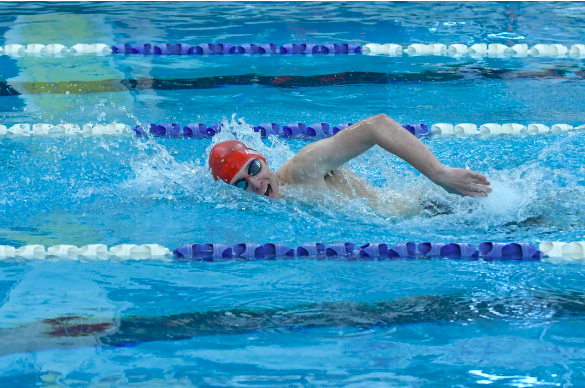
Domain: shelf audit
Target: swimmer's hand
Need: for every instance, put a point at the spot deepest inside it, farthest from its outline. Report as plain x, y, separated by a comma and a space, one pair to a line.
463, 182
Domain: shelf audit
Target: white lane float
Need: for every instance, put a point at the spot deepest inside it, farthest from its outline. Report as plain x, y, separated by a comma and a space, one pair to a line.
67, 129
490, 129
418, 49
437, 49
105, 129
99, 251
465, 129
539, 50
14, 49
7, 251
83, 48
517, 50
20, 129
561, 128
442, 129
535, 129
138, 252
31, 252
514, 129
55, 49
557, 50
392, 49
457, 49
572, 250
42, 129
478, 49
64, 251
577, 51
497, 49
389, 49
34, 49
92, 251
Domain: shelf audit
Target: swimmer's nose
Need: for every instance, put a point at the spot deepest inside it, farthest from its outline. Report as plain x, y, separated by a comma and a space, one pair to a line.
254, 183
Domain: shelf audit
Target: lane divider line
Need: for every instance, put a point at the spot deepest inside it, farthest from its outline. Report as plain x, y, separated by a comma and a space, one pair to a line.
288, 131
497, 50
345, 251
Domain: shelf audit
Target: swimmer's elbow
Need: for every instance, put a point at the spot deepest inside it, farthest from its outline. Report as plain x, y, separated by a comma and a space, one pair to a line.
382, 120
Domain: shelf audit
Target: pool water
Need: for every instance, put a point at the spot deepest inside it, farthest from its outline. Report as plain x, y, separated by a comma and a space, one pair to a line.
292, 323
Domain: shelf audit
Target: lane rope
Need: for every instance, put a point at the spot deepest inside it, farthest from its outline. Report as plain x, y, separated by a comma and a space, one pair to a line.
250, 251
497, 50
287, 131
347, 250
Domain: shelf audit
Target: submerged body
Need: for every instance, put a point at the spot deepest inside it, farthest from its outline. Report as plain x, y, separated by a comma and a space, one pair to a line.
318, 164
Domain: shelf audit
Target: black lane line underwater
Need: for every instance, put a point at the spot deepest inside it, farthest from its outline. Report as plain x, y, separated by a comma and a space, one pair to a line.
73, 331
338, 79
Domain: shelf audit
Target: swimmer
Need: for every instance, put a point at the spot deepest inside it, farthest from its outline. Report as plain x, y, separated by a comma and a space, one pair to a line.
318, 164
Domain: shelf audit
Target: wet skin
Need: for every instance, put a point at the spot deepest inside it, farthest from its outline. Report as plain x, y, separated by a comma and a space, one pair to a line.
318, 164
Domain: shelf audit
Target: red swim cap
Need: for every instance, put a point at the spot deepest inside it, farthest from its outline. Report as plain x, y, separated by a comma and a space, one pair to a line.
228, 157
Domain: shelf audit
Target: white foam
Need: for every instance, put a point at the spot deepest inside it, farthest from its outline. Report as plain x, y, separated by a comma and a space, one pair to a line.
504, 200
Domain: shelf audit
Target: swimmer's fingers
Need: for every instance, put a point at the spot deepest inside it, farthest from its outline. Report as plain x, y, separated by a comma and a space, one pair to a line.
477, 191
464, 182
478, 187
478, 178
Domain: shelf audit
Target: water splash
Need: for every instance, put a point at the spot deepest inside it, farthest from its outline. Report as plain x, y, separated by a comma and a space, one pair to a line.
537, 195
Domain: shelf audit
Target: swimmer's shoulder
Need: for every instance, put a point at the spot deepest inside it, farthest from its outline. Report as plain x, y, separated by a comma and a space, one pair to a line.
288, 173
293, 172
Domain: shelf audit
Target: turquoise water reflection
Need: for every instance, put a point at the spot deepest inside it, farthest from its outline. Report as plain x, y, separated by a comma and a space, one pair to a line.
287, 323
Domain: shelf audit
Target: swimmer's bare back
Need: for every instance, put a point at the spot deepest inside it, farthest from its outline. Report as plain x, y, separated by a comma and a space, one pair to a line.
318, 163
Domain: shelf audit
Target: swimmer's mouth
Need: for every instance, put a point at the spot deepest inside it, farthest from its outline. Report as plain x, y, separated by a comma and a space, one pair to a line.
268, 190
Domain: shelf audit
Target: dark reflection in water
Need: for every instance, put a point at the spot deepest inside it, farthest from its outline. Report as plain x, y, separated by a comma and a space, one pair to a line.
70, 332
338, 79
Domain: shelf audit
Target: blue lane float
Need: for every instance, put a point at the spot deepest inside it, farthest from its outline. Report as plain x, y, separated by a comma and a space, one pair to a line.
310, 250
487, 251
267, 48
247, 48
173, 49
143, 48
418, 129
289, 131
227, 48
514, 251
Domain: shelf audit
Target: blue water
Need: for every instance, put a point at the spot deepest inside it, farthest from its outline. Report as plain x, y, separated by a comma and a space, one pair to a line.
440, 323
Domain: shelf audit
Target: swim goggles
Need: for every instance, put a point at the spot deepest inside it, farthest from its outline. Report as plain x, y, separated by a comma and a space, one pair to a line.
253, 169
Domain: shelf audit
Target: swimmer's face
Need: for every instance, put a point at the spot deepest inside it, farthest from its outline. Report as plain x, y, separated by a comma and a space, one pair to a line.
262, 183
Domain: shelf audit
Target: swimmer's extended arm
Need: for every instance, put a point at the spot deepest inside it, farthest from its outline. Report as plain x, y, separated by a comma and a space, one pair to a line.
321, 157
